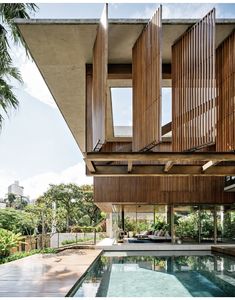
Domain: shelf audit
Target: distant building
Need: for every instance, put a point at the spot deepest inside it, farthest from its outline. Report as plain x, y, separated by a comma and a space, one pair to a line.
16, 189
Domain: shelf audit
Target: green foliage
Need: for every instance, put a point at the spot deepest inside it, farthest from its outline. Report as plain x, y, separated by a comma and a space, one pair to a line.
77, 228
207, 224
17, 221
8, 240
142, 225
10, 200
160, 224
130, 224
9, 11
19, 255
18, 202
229, 225
75, 241
74, 206
187, 226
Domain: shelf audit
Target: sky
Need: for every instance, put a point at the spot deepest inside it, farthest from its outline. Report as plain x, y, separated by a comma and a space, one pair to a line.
36, 146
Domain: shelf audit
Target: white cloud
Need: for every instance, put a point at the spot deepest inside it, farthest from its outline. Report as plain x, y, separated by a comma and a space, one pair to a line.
38, 184
33, 81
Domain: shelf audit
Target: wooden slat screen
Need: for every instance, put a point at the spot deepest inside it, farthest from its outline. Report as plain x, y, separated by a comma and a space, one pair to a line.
158, 190
99, 80
193, 86
225, 78
147, 74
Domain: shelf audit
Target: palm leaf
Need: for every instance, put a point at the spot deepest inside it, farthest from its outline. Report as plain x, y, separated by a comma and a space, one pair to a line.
8, 12
7, 99
11, 11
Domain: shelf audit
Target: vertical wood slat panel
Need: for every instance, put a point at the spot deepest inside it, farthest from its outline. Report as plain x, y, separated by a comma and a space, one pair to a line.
161, 190
147, 74
225, 79
99, 80
193, 86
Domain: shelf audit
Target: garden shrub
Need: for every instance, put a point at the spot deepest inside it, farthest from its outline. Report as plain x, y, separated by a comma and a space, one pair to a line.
19, 255
8, 240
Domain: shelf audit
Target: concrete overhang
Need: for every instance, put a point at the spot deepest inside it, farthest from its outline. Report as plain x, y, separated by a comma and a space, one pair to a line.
61, 49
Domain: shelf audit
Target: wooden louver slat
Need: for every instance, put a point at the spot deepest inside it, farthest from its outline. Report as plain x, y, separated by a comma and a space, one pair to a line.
147, 74
193, 86
225, 79
99, 81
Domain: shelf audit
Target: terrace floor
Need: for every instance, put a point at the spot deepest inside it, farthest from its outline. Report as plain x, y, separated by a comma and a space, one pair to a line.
109, 245
45, 275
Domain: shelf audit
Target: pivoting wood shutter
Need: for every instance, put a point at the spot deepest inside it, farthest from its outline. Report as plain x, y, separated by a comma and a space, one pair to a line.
99, 81
147, 75
193, 87
225, 78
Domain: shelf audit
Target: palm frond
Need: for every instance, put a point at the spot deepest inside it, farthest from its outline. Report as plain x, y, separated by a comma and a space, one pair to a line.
11, 11
9, 71
8, 12
7, 97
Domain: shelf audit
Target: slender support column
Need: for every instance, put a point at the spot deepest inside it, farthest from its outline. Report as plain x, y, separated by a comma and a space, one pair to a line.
154, 214
123, 220
172, 224
199, 224
215, 225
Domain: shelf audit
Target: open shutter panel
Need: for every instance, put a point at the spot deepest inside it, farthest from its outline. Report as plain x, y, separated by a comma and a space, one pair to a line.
147, 75
193, 87
225, 78
99, 81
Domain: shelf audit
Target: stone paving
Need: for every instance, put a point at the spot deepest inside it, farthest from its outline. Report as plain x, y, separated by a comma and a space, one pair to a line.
45, 275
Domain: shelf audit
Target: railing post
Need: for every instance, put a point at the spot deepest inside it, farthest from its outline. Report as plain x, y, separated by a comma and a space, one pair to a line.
58, 240
95, 237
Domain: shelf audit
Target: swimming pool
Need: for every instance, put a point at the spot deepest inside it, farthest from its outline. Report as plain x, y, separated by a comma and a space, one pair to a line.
161, 274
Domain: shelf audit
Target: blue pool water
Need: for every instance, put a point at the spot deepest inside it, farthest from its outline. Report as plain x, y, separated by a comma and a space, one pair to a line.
147, 274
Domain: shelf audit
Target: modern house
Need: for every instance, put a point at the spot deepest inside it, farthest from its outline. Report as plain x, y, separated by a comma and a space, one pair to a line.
113, 81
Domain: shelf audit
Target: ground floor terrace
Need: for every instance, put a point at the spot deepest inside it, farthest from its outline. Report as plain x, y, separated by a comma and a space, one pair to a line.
175, 224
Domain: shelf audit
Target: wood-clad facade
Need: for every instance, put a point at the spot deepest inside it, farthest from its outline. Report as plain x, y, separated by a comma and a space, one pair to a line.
193, 87
147, 77
158, 190
179, 163
99, 81
225, 72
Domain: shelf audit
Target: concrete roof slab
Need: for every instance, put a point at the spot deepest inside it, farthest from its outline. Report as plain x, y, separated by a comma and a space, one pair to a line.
61, 48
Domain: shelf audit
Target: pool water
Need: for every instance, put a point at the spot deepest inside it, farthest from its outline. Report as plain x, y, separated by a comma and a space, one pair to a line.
147, 274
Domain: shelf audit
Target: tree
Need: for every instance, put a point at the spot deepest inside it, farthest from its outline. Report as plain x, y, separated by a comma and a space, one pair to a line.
74, 203
91, 214
10, 200
8, 29
17, 221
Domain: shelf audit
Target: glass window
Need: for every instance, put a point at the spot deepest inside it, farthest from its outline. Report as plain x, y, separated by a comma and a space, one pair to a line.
186, 221
122, 111
145, 218
207, 224
166, 105
225, 216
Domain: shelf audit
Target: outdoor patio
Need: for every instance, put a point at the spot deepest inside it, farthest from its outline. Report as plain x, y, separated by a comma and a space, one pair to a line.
45, 275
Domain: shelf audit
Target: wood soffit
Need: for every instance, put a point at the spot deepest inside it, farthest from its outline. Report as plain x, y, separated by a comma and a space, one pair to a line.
160, 164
